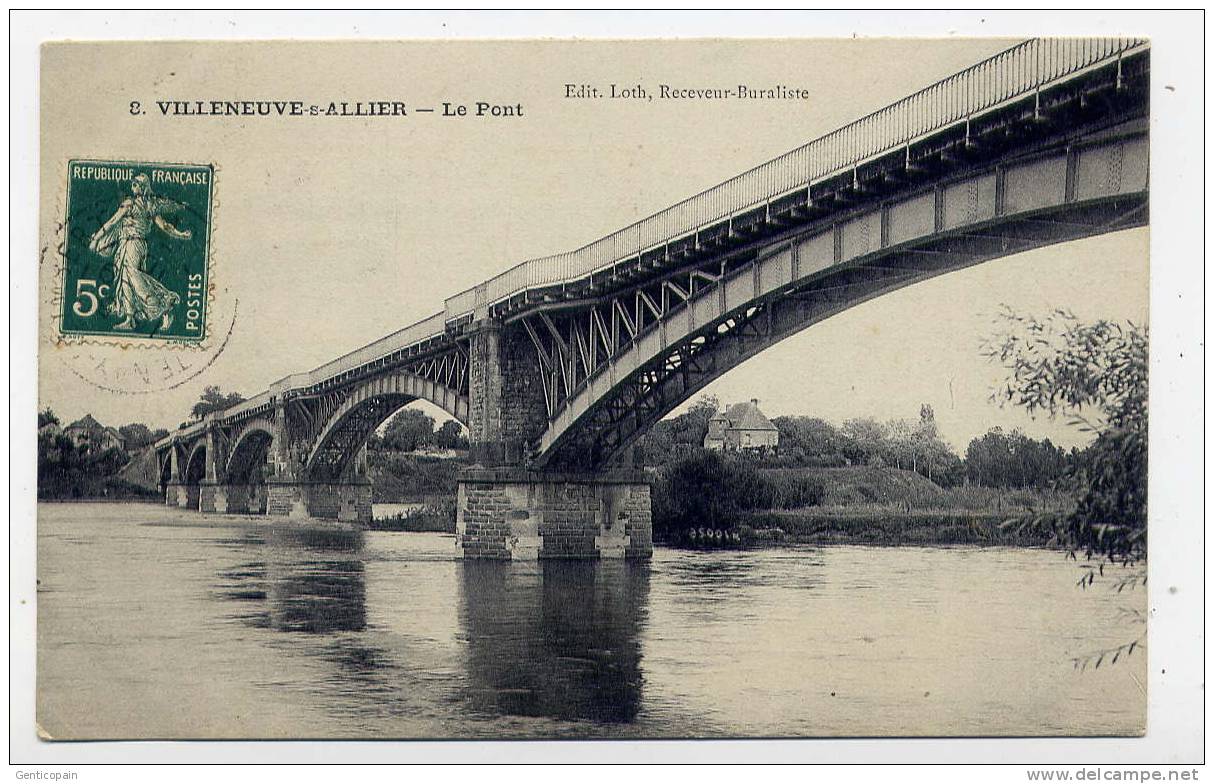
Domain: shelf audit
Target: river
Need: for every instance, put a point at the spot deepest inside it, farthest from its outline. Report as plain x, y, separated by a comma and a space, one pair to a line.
161, 623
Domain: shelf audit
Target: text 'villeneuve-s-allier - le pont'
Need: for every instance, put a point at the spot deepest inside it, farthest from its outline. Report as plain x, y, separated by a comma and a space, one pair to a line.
293, 108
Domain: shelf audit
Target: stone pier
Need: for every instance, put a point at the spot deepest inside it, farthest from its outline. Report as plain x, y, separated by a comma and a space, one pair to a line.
346, 501
512, 513
175, 494
213, 497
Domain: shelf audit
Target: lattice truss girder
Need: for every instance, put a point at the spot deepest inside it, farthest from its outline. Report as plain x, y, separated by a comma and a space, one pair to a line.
342, 442
308, 416
450, 368
690, 362
573, 342
643, 398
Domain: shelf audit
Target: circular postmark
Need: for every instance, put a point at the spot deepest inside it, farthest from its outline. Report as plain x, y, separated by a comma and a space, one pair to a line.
129, 299
139, 369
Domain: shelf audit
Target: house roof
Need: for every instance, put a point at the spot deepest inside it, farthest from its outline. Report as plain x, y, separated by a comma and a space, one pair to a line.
747, 416
85, 422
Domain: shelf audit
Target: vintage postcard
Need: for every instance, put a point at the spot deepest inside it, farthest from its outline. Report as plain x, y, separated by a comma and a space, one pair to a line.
539, 389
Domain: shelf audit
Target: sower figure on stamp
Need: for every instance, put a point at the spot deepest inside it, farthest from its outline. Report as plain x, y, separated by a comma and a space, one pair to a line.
137, 295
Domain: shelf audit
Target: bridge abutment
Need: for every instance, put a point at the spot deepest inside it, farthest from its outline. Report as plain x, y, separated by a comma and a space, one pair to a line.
516, 514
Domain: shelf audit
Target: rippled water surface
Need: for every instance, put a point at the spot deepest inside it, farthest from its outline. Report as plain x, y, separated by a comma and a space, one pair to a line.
155, 622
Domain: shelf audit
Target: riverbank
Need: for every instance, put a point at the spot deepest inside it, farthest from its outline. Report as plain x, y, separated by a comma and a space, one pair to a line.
864, 505
408, 478
159, 515
887, 526
823, 527
889, 506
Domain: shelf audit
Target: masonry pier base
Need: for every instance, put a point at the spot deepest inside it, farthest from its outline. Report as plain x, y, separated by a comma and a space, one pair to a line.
511, 513
213, 497
176, 494
346, 501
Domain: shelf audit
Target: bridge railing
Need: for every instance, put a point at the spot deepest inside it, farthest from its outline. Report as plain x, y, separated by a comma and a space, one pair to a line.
402, 338
248, 405
1008, 75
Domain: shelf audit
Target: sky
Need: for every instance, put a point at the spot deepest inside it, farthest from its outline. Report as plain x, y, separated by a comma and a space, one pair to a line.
330, 234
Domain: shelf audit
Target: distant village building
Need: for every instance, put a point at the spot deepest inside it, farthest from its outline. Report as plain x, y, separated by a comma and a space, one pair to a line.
741, 426
92, 435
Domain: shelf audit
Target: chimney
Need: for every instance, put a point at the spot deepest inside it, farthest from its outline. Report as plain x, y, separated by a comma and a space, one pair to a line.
755, 400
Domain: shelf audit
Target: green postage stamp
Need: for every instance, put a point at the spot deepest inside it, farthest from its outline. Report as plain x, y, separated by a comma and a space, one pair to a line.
135, 257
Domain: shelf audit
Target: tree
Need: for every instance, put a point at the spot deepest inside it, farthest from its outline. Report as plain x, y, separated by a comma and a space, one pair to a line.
657, 446
409, 430
47, 417
704, 489
137, 435
692, 426
1097, 375
450, 435
213, 399
866, 441
931, 455
899, 447
677, 435
999, 459
811, 441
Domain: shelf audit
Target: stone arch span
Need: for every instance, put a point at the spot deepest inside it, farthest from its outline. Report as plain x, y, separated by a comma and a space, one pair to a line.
347, 429
1048, 198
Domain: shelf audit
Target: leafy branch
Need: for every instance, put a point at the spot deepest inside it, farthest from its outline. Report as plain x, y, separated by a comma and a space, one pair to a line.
1096, 375
1111, 655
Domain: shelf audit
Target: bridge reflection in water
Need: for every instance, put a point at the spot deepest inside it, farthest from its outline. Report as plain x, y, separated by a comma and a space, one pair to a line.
308, 580
555, 639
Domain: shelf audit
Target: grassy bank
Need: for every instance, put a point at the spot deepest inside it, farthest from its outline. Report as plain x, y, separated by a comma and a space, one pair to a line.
80, 486
883, 525
435, 516
400, 477
858, 504
893, 489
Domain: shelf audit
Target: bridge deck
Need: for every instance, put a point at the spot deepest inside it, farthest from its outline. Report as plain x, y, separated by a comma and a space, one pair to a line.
1022, 71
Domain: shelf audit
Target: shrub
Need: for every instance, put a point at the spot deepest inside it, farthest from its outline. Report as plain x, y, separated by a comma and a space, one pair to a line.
713, 490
